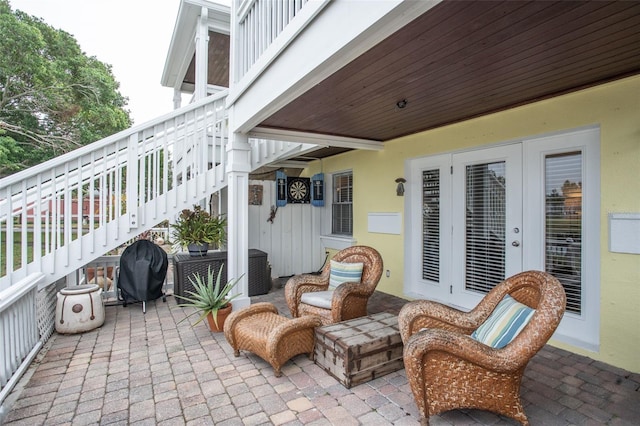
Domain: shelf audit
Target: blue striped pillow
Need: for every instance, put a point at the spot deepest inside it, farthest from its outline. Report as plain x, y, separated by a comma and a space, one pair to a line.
344, 273
504, 323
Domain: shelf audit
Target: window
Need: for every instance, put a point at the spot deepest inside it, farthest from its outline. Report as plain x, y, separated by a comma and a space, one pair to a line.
485, 219
563, 223
431, 225
342, 207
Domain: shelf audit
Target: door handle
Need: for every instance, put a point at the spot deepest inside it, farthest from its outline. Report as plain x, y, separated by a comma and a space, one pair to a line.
516, 243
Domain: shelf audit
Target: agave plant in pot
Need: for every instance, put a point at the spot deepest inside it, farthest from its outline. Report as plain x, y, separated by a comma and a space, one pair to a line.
197, 229
210, 299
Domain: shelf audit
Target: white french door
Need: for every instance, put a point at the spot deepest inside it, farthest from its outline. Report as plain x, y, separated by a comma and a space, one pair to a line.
487, 221
469, 208
490, 213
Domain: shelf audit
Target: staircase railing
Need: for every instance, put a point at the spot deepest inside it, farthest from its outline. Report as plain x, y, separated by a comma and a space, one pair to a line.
60, 215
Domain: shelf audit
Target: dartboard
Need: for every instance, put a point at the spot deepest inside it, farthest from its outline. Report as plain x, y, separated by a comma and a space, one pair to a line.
298, 190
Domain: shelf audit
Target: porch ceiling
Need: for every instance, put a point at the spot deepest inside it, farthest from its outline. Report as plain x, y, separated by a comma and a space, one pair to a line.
464, 59
218, 66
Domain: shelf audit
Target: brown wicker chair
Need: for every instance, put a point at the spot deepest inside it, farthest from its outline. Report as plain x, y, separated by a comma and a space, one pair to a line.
447, 369
349, 300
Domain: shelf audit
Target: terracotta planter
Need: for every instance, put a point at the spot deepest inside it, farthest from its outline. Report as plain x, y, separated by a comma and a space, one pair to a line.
91, 272
223, 313
96, 276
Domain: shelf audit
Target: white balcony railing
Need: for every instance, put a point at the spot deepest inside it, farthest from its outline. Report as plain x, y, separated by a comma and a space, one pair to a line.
260, 22
263, 29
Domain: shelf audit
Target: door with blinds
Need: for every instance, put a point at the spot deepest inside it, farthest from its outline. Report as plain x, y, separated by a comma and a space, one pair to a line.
490, 213
487, 221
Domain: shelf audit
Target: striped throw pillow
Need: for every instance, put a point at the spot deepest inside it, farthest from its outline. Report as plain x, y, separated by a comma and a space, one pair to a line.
504, 323
344, 273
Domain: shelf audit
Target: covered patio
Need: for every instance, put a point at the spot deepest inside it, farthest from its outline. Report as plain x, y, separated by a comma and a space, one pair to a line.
146, 369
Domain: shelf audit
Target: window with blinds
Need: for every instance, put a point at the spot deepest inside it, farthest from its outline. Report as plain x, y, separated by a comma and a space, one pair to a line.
563, 224
431, 225
485, 226
342, 206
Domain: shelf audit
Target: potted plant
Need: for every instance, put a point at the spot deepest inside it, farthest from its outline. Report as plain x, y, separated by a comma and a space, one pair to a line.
210, 299
197, 229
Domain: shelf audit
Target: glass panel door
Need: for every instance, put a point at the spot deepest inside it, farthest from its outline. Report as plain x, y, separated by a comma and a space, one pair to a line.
563, 224
431, 225
487, 223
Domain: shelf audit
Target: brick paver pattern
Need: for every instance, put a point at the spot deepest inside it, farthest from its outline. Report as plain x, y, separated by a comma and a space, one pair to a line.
148, 369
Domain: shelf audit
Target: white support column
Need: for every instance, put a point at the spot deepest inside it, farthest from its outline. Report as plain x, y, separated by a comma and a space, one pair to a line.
177, 98
239, 166
202, 54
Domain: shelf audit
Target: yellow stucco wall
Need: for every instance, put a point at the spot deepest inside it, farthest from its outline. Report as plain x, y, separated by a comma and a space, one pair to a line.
614, 106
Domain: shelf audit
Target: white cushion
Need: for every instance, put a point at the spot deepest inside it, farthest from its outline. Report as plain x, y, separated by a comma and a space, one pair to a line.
319, 299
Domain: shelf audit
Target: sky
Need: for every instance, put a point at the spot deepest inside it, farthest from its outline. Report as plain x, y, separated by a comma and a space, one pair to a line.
132, 36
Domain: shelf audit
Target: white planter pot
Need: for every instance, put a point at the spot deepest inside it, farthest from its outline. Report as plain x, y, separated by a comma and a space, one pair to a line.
79, 309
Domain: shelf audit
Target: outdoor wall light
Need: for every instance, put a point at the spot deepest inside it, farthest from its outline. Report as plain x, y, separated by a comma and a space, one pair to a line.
400, 188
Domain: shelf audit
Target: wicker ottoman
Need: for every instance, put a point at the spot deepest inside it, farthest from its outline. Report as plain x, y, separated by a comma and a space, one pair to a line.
276, 339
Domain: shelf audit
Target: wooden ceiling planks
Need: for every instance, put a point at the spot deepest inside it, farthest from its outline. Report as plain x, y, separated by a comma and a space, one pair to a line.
465, 59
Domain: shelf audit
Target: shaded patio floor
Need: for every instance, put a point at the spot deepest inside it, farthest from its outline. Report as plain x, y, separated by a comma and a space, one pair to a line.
145, 369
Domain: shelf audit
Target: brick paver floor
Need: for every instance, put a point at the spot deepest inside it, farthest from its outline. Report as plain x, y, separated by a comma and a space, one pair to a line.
149, 369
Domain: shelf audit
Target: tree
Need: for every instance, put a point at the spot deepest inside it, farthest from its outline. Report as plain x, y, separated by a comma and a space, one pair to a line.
53, 96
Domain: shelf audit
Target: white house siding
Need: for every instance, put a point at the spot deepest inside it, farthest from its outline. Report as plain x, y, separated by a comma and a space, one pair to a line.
292, 240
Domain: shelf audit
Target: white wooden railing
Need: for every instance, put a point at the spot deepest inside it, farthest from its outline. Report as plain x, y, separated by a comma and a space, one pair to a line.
264, 28
62, 214
260, 22
20, 339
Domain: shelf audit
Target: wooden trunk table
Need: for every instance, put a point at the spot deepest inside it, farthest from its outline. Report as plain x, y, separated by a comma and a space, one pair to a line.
361, 349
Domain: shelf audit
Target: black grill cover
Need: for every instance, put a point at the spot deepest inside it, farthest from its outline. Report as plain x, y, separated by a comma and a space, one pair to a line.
143, 268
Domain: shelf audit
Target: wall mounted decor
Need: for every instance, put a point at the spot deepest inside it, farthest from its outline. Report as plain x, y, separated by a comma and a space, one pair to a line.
281, 189
317, 189
255, 195
298, 190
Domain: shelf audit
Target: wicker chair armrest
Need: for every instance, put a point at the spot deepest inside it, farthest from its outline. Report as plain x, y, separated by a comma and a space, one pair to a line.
463, 347
350, 289
308, 280
299, 284
349, 300
419, 314
235, 317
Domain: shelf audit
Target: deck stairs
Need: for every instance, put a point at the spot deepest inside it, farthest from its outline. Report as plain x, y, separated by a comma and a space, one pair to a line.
69, 211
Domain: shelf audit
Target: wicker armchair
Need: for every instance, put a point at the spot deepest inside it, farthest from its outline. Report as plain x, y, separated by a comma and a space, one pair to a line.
448, 369
348, 300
